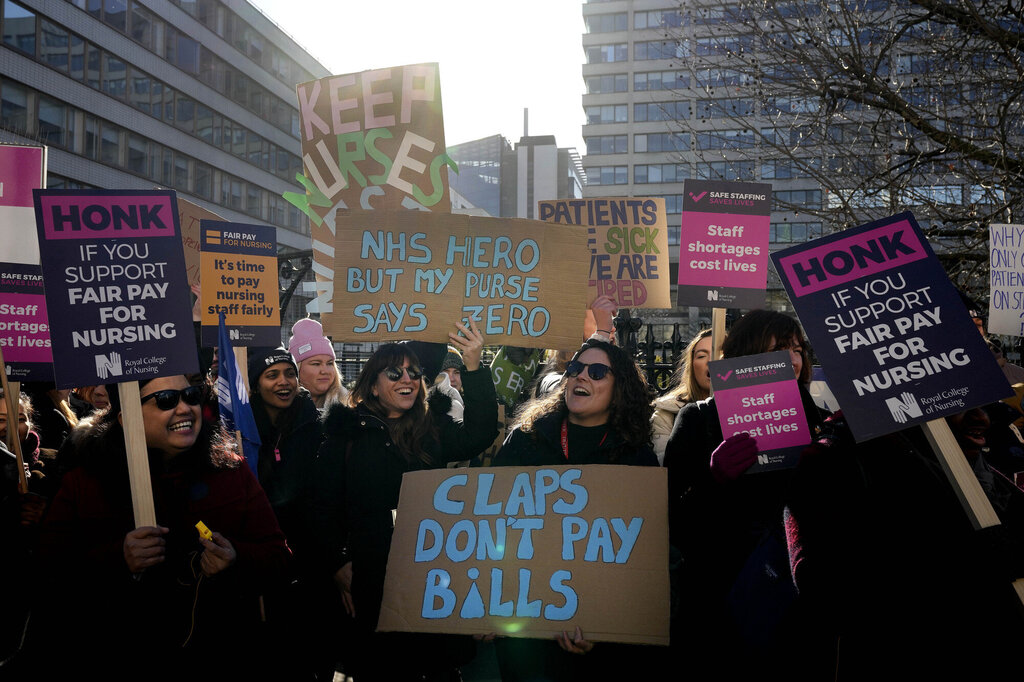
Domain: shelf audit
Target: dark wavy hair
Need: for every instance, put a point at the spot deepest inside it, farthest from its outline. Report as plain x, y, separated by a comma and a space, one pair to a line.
630, 409
413, 428
763, 331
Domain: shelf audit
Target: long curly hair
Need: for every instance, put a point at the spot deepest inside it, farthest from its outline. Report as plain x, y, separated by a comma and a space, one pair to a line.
415, 427
686, 387
758, 330
630, 409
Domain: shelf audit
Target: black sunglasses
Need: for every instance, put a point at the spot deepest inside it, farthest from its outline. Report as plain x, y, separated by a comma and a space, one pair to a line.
395, 373
596, 370
168, 399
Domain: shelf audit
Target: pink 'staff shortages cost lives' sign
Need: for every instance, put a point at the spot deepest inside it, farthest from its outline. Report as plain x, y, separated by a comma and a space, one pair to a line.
116, 292
758, 394
723, 244
895, 341
22, 169
24, 330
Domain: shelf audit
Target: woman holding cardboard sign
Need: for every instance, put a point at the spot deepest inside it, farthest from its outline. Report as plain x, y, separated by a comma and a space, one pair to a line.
166, 595
735, 592
600, 414
389, 429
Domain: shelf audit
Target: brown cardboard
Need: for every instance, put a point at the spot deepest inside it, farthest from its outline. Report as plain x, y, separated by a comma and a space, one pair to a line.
628, 243
551, 271
617, 602
189, 216
370, 141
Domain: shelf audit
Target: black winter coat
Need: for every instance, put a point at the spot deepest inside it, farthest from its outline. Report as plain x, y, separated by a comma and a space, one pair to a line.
543, 447
359, 476
286, 466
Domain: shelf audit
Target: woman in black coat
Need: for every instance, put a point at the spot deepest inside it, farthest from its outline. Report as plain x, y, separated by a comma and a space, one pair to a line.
736, 596
387, 430
600, 414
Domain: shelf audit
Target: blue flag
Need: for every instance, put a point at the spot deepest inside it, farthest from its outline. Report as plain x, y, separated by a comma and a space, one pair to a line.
235, 411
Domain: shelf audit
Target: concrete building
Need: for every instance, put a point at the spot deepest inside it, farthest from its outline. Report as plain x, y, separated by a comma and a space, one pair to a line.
507, 181
193, 95
652, 122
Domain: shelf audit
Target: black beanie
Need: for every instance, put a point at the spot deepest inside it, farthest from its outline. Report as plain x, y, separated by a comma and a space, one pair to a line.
262, 358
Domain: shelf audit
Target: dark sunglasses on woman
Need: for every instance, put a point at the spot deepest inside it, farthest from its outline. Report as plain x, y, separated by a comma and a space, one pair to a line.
596, 370
395, 373
168, 399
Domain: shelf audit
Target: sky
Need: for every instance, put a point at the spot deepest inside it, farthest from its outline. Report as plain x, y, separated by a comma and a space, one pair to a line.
496, 58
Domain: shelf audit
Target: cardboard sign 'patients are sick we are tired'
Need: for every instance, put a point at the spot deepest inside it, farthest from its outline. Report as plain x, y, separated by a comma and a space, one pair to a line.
531, 552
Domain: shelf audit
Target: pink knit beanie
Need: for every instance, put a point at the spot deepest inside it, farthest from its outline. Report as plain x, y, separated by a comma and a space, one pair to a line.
308, 340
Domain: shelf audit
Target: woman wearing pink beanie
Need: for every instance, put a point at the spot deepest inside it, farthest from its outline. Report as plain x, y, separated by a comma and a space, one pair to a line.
314, 354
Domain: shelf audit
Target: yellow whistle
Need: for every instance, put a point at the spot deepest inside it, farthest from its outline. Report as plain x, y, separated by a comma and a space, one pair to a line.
204, 532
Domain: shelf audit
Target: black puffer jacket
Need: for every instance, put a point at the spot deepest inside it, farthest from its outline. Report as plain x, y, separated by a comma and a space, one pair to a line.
359, 476
286, 466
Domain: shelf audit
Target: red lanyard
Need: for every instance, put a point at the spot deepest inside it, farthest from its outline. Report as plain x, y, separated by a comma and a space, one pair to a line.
565, 439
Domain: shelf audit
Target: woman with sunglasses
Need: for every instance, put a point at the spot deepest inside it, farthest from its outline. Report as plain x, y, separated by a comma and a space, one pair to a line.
600, 414
158, 595
387, 429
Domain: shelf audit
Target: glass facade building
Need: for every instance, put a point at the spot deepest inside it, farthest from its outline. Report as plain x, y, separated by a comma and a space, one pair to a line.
193, 95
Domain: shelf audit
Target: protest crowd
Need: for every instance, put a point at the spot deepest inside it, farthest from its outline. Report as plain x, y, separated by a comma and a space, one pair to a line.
858, 559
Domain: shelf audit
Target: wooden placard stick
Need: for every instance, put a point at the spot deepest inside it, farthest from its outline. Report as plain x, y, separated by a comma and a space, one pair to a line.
242, 364
138, 454
964, 482
12, 392
717, 332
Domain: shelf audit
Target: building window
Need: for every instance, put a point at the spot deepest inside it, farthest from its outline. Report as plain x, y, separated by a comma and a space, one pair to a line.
115, 14
661, 142
613, 83
19, 28
660, 80
110, 147
725, 139
726, 170
138, 155
808, 198
607, 23
607, 175
606, 144
52, 122
676, 110
660, 49
644, 174
609, 113
662, 18
114, 76
718, 78
53, 45
603, 54
14, 107
724, 108
793, 233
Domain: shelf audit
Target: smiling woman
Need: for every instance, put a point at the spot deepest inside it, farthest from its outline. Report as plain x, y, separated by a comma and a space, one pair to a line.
144, 587
388, 429
599, 415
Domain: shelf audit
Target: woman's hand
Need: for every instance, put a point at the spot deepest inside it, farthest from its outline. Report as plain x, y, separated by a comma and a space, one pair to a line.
604, 309
343, 579
574, 644
217, 556
733, 456
471, 345
144, 547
